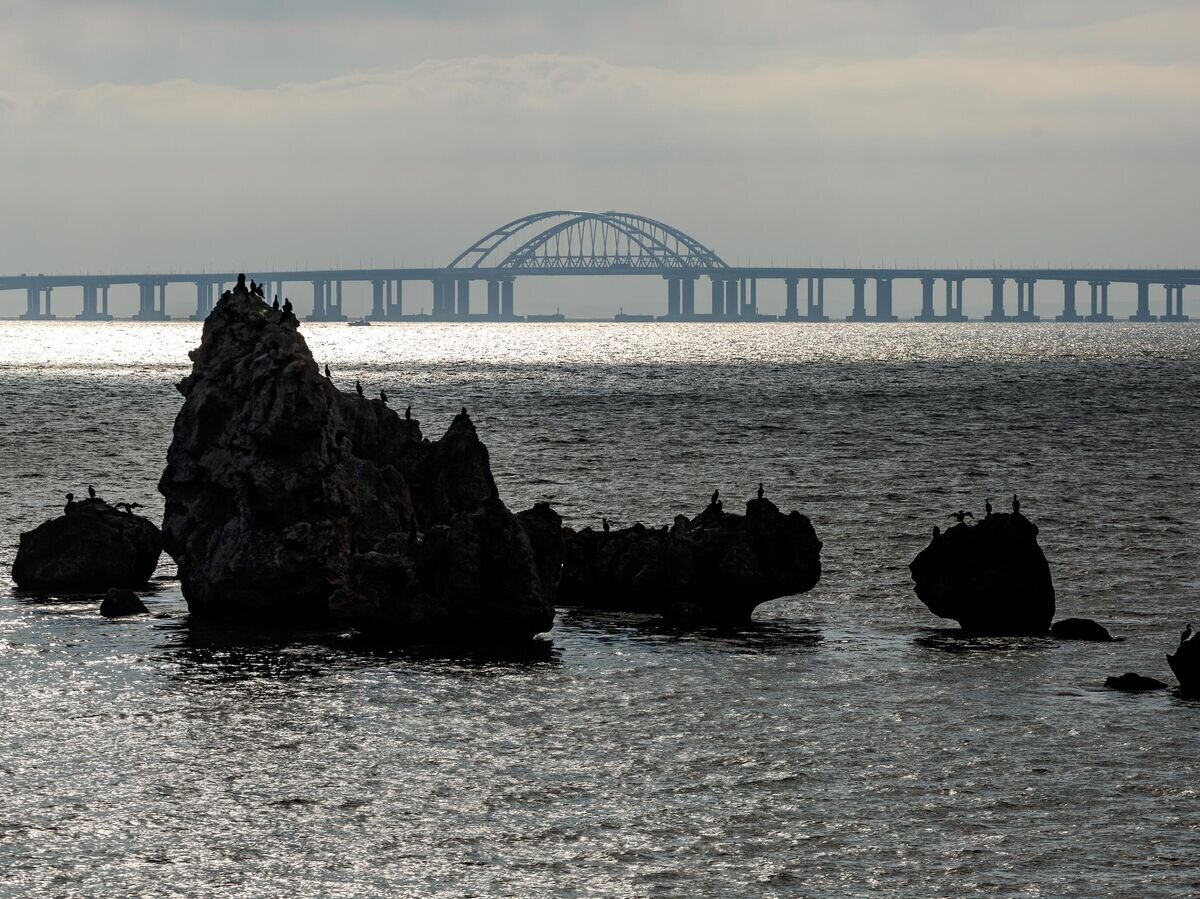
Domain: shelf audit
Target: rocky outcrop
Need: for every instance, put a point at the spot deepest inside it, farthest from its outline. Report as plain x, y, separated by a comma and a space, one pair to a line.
1080, 629
991, 577
1132, 682
715, 567
291, 501
89, 548
544, 528
119, 603
1185, 663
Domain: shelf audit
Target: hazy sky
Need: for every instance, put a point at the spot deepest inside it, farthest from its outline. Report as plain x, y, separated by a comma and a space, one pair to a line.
170, 135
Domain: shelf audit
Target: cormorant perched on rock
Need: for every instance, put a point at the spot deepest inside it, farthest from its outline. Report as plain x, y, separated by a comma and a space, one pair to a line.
1016, 504
70, 497
254, 291
715, 497
987, 507
240, 289
464, 412
937, 532
383, 396
760, 490
960, 515
287, 305
1183, 638
275, 305
70, 502
604, 524
328, 375
408, 413
91, 491
358, 387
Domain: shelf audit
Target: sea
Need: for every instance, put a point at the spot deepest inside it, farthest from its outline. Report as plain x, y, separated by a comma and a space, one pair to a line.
845, 743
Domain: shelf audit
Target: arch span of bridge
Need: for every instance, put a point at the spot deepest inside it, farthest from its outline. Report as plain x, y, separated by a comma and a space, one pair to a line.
572, 242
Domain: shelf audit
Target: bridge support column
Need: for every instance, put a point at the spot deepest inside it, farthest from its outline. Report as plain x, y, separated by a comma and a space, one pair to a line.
883, 300
927, 313
997, 313
33, 303
859, 314
506, 299
688, 300
1099, 302
1068, 314
148, 308
731, 299
318, 313
818, 314
1174, 307
1143, 303
753, 298
377, 305
1025, 311
493, 299
395, 307
791, 310
203, 301
104, 301
718, 297
91, 309
464, 298
673, 298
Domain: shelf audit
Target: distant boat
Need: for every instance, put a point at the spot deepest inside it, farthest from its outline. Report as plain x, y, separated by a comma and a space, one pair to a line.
359, 323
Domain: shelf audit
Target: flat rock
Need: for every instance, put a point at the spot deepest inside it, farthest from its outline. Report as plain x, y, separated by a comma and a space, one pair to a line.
991, 577
119, 603
88, 549
1131, 682
1080, 629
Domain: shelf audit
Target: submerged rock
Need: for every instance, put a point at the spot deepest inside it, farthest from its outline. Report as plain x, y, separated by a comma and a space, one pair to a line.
118, 603
289, 500
991, 577
88, 549
1132, 682
1185, 663
1080, 629
716, 567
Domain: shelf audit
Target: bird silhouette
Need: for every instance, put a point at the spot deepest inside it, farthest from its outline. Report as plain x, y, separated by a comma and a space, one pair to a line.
408, 413
1016, 504
937, 532
70, 497
463, 413
715, 497
960, 515
358, 387
328, 373
383, 396
760, 490
987, 507
1186, 635
604, 524
275, 305
91, 491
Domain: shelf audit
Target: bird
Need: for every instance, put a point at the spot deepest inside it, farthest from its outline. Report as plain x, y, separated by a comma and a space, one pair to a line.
937, 532
760, 490
960, 515
287, 305
328, 374
408, 413
275, 305
464, 412
715, 497
91, 491
1186, 635
70, 497
1016, 504
987, 507
604, 523
383, 396
358, 387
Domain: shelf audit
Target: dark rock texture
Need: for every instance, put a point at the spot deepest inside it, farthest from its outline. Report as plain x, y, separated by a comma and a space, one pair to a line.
716, 567
1186, 665
291, 501
1131, 682
88, 549
544, 528
991, 577
119, 603
1080, 629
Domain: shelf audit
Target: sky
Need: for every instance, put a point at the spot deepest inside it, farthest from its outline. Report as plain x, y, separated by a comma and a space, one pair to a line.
148, 135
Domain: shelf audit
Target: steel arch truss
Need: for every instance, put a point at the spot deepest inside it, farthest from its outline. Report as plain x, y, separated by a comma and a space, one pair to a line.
569, 242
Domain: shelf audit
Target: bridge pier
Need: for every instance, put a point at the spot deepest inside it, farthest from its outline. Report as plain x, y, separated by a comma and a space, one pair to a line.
927, 313
204, 301
816, 304
493, 299
1099, 302
1025, 311
883, 300
91, 310
731, 299
1068, 314
718, 297
688, 299
791, 310
673, 298
395, 302
1143, 304
1174, 304
860, 301
506, 299
327, 306
152, 302
954, 300
34, 304
997, 314
378, 310
463, 308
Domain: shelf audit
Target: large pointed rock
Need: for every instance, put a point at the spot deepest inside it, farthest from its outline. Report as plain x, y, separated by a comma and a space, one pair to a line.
991, 577
282, 491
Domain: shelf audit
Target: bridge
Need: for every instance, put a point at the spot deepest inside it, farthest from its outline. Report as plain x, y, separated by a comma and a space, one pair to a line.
575, 243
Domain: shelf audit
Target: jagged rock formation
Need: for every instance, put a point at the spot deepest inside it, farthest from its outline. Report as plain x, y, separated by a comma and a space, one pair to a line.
1132, 682
716, 567
88, 549
991, 577
1186, 664
291, 501
1080, 629
119, 603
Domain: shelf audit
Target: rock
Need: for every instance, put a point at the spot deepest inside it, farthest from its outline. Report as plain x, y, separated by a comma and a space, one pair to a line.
1185, 663
717, 566
290, 501
88, 549
544, 528
1134, 683
118, 603
1080, 629
991, 577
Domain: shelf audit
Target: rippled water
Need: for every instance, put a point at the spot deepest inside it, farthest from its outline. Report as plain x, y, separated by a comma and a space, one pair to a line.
847, 743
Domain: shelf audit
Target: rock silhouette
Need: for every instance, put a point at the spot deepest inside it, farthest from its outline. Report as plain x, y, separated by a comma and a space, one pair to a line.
292, 502
1185, 663
120, 603
1080, 629
716, 567
990, 577
88, 549
1132, 682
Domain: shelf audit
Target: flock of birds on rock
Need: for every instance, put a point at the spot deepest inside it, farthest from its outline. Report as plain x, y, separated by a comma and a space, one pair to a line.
127, 507
960, 516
